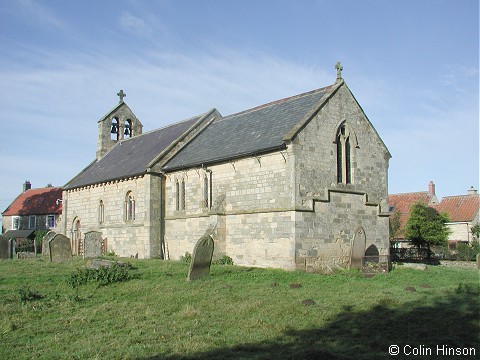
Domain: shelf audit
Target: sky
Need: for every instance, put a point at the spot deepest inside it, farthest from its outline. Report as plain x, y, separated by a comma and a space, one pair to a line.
411, 64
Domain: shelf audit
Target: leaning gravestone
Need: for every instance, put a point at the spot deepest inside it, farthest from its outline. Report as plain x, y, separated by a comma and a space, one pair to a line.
201, 258
60, 248
6, 251
92, 244
358, 250
48, 236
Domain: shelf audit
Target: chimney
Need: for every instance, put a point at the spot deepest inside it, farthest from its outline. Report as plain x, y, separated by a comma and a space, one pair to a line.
472, 191
27, 185
431, 187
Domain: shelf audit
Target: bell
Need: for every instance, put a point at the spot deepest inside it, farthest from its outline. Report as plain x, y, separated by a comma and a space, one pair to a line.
114, 129
127, 130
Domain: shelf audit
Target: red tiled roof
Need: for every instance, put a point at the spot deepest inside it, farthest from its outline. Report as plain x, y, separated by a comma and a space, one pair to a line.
403, 202
36, 202
461, 208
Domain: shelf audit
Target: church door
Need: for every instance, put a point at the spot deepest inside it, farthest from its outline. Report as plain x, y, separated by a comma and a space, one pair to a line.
358, 249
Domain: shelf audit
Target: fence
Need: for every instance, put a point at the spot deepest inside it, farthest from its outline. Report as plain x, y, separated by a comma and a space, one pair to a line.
410, 254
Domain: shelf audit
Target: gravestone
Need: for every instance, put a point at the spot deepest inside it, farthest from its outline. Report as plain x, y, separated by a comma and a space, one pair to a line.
201, 258
358, 249
7, 248
92, 244
47, 237
478, 261
60, 248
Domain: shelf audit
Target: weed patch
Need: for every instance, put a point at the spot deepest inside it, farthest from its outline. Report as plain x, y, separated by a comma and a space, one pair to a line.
470, 289
28, 294
103, 276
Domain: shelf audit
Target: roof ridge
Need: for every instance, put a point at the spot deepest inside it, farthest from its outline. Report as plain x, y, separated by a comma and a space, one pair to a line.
164, 127
464, 195
413, 192
44, 188
275, 102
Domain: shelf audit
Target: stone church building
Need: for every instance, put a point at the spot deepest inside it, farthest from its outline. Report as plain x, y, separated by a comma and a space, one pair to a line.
298, 183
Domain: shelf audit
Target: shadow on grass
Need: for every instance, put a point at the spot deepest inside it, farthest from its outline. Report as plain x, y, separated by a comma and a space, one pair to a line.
452, 319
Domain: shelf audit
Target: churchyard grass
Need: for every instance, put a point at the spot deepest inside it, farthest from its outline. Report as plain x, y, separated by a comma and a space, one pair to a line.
235, 313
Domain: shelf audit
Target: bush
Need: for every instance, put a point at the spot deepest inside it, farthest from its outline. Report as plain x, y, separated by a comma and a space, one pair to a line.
468, 252
103, 275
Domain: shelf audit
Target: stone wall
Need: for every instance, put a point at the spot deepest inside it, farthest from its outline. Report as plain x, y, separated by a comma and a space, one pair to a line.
285, 209
126, 238
121, 114
316, 154
251, 206
324, 237
332, 212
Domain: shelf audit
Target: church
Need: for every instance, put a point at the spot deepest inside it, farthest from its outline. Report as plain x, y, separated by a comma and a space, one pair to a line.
300, 183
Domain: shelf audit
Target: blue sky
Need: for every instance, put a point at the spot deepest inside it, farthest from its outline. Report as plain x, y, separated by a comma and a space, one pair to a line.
411, 64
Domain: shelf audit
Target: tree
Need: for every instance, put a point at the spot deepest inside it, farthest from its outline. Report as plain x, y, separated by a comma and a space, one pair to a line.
476, 232
426, 226
394, 224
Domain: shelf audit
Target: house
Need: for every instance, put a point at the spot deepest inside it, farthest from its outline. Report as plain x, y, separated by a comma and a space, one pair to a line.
33, 209
298, 183
463, 213
401, 204
462, 210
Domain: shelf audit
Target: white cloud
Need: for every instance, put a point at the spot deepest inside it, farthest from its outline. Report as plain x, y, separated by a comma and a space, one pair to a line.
41, 14
50, 109
134, 24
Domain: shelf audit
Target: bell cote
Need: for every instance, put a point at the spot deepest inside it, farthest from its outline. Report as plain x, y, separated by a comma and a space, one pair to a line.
118, 125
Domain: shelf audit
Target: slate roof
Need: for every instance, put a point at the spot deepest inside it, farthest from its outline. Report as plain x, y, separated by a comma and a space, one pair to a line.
461, 208
131, 157
40, 201
247, 133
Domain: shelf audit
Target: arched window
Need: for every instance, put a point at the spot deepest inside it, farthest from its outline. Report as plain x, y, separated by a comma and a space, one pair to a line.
177, 195
129, 207
180, 195
128, 129
183, 195
344, 166
206, 192
101, 212
115, 131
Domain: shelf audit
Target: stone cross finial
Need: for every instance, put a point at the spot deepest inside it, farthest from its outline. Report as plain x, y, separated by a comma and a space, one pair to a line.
121, 95
339, 70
